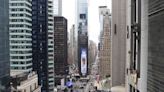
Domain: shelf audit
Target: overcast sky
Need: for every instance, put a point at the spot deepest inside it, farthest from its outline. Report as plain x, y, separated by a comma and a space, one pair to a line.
93, 16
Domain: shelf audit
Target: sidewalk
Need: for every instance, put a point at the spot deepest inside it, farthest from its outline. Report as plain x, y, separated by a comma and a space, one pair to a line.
118, 89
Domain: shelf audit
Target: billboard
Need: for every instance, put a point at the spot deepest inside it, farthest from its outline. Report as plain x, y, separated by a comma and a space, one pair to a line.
83, 62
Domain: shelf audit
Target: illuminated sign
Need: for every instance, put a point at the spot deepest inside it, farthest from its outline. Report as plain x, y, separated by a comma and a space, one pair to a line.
83, 61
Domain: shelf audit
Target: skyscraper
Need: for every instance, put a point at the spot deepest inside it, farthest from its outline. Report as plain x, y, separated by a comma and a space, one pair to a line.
20, 36
105, 43
42, 43
71, 50
81, 35
4, 46
57, 7
92, 53
60, 49
118, 42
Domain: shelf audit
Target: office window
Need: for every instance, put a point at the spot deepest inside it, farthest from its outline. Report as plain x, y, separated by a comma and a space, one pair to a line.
82, 16
115, 29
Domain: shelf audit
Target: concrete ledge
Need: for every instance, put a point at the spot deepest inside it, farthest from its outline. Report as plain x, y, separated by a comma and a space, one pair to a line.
118, 89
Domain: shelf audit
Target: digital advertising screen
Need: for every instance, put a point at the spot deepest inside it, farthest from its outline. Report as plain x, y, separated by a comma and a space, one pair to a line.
83, 61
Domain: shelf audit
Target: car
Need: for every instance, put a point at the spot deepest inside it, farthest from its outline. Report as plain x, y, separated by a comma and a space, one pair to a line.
81, 87
84, 84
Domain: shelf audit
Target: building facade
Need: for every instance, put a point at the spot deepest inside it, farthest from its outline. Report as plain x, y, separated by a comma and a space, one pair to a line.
81, 35
20, 36
92, 53
4, 46
145, 54
60, 49
138, 51
25, 82
43, 43
71, 50
57, 7
105, 43
118, 42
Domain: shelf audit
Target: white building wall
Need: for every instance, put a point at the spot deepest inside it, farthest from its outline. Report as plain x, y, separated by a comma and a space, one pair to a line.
141, 83
128, 21
50, 46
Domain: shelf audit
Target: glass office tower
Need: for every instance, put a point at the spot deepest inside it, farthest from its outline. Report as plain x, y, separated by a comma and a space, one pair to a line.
81, 36
42, 43
61, 67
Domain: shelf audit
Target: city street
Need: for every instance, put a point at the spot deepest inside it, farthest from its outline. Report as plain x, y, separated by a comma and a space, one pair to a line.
80, 86
89, 83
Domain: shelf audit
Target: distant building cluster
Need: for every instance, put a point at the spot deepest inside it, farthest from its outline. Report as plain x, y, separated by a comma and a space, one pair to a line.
27, 45
38, 54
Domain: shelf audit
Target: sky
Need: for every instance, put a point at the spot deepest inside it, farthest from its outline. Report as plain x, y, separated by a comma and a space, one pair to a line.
68, 11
